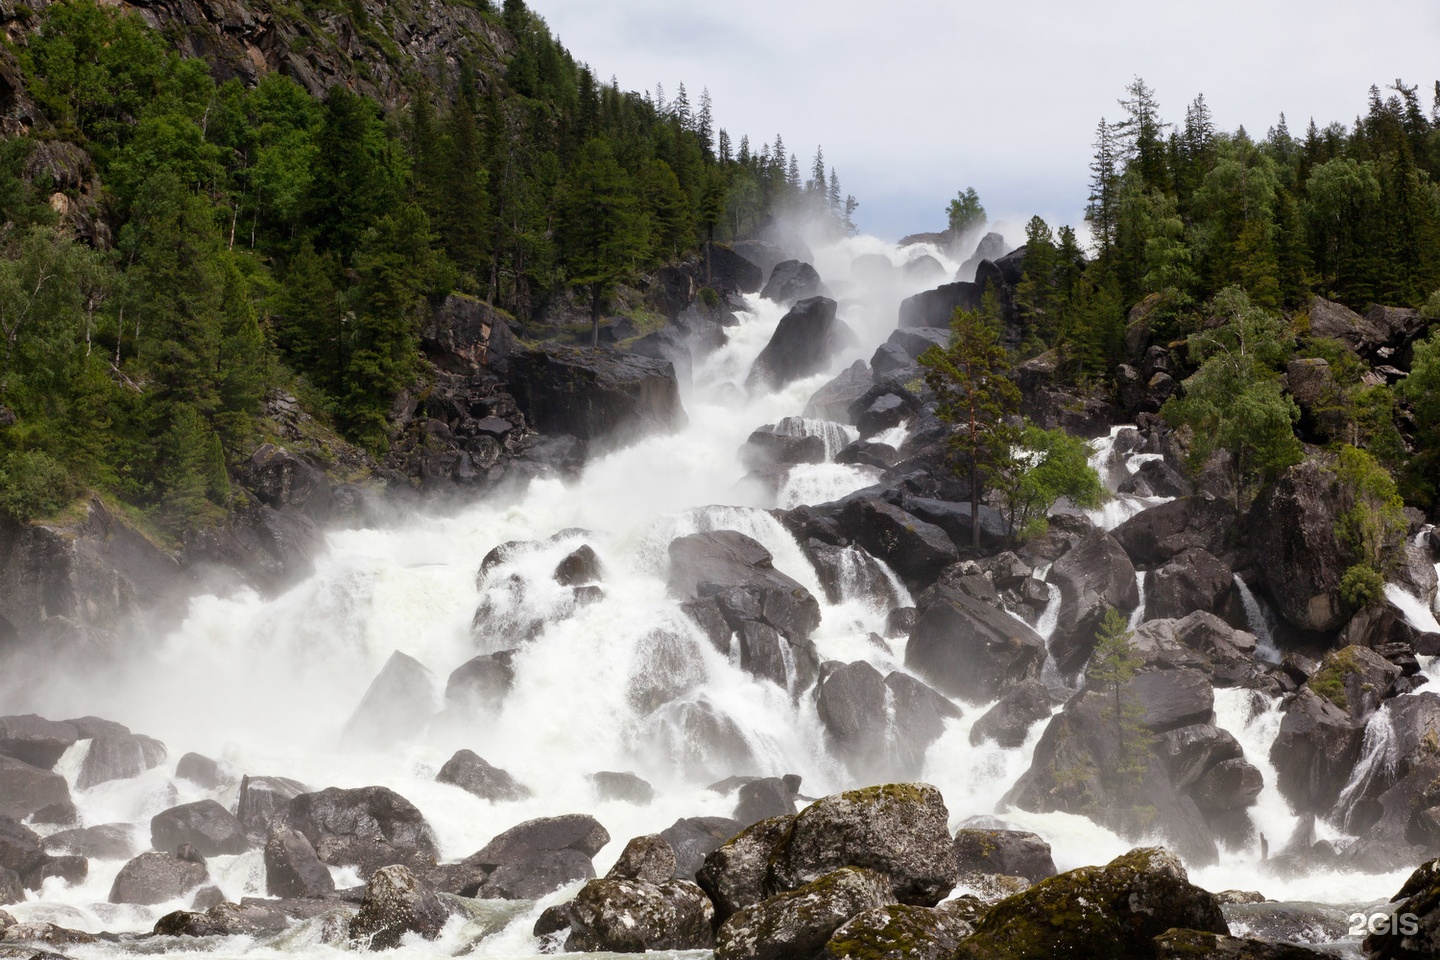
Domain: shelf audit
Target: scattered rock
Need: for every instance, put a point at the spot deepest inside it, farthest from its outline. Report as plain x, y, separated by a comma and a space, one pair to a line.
468, 771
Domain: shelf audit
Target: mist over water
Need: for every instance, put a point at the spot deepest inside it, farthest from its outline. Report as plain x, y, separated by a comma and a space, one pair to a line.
267, 686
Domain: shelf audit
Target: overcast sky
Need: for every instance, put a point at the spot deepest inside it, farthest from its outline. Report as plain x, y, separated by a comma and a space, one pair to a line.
913, 100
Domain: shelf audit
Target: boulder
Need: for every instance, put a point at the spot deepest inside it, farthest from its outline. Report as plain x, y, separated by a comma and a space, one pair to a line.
806, 340
1228, 785
1172, 698
262, 799
481, 684
108, 841
576, 831
397, 903
732, 272
1094, 577
12, 890
153, 878
1155, 535
739, 572
534, 876
898, 932
917, 551
1191, 580
833, 400
282, 480
400, 701
1008, 723
1011, 853
1297, 549
633, 916
292, 868
1335, 321
20, 848
793, 280
768, 448
468, 771
595, 393
1189, 751
201, 771
34, 740
648, 859
206, 825
1419, 899
970, 649
1198, 945
898, 829
934, 308
580, 566
119, 757
626, 787
365, 827
25, 789
694, 838
1112, 911
798, 923
733, 875
1314, 752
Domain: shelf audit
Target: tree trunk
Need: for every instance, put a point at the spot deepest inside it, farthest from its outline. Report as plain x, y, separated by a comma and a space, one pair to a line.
595, 315
974, 505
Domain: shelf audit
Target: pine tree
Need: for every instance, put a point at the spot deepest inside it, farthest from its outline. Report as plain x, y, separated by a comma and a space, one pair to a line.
1102, 210
704, 124
1112, 666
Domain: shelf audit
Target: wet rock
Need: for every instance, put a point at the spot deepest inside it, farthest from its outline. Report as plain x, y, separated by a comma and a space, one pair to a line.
1153, 536
283, 480
1228, 785
153, 878
734, 873
1011, 853
970, 649
72, 869
535, 876
468, 771
1009, 721
739, 572
12, 890
833, 400
898, 829
482, 683
34, 740
396, 904
1198, 945
581, 565
292, 868
648, 859
632, 916
730, 271
366, 827
804, 342
1297, 551
20, 847
119, 757
110, 841
25, 789
576, 831
793, 280
201, 771
627, 787
62, 814
1190, 751
248, 918
766, 797
400, 701
205, 824
898, 932
1094, 577
693, 838
917, 551
934, 308
49, 934
1112, 911
1191, 580
1314, 752
798, 923
1418, 898
262, 799
595, 393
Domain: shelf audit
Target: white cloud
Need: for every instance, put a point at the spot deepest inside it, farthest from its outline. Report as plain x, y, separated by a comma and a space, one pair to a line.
915, 99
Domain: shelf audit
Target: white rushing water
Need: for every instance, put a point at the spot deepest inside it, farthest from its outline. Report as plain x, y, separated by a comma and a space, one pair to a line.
266, 685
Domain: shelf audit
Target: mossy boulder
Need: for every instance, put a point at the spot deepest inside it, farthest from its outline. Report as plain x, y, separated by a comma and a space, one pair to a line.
631, 916
397, 903
800, 922
734, 874
1199, 945
898, 932
898, 829
1420, 898
1013, 853
1097, 912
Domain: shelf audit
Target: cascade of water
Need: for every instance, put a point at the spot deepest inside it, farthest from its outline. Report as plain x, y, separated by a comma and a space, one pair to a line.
1417, 613
1137, 616
1379, 754
1260, 621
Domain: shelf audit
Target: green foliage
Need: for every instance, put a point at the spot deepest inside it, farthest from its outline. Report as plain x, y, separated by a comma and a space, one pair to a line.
1421, 391
1362, 586
965, 212
33, 485
1047, 465
975, 396
1370, 524
1112, 666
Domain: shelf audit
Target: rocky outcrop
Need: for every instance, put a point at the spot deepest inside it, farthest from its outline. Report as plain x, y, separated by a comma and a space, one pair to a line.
880, 726
969, 648
34, 740
1418, 899
119, 756
805, 341
914, 549
1154, 536
1009, 721
1095, 576
833, 400
1296, 547
934, 308
595, 393
792, 280
1112, 911
730, 271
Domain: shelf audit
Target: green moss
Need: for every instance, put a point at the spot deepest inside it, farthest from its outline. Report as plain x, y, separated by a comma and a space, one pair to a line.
1329, 681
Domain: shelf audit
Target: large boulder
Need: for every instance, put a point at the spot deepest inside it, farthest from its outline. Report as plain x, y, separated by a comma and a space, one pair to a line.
898, 829
798, 923
934, 308
292, 868
469, 771
914, 549
898, 931
1414, 933
793, 280
595, 393
20, 848
1008, 723
718, 562
25, 789
365, 827
1297, 549
108, 841
730, 271
1191, 580
971, 649
1112, 911
153, 878
632, 916
397, 903
1010, 853
283, 480
694, 838
1153, 536
399, 702
880, 726
805, 341
263, 799
575, 831
35, 740
119, 757
833, 400
481, 683
205, 825
1095, 576
733, 875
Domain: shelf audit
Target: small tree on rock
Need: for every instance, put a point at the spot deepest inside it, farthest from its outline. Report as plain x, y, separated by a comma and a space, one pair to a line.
1112, 666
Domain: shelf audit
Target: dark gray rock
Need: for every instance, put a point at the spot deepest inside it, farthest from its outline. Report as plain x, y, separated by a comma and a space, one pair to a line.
119, 757
153, 878
72, 869
740, 574
799, 922
615, 785
34, 740
833, 400
731, 271
1094, 577
1011, 853
262, 799
481, 683
693, 838
1153, 536
201, 771
793, 280
766, 797
917, 551
365, 827
1010, 720
1191, 580
967, 648
206, 825
804, 343
595, 393
1297, 550
576, 831
20, 848
400, 701
109, 841
292, 868
934, 308
25, 789
283, 480
468, 771
397, 903
581, 565
535, 876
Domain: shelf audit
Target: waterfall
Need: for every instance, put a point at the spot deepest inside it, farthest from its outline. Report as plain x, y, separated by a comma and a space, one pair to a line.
1260, 621
1379, 754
